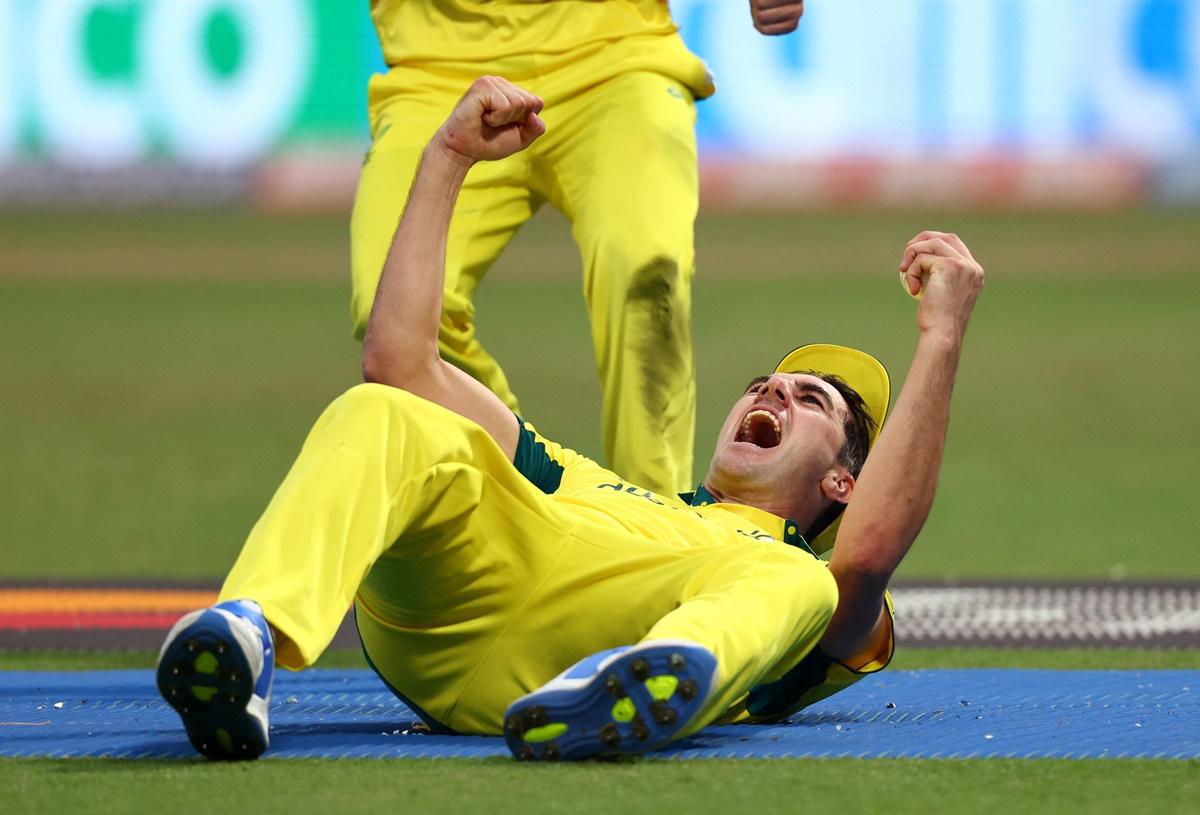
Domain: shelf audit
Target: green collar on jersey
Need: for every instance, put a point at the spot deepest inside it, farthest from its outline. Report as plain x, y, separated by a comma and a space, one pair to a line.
791, 530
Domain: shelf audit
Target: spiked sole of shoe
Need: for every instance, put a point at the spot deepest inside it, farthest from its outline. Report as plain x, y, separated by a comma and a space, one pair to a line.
205, 677
638, 702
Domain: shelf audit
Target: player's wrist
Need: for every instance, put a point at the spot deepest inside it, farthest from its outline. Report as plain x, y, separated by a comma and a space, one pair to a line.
440, 149
943, 338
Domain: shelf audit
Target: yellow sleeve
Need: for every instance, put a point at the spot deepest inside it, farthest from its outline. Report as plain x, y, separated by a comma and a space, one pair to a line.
814, 678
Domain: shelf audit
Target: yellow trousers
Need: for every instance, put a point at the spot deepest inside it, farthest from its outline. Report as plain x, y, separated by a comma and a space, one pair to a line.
472, 587
619, 159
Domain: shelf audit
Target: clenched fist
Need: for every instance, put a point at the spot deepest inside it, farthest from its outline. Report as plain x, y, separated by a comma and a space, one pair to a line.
776, 16
493, 120
938, 268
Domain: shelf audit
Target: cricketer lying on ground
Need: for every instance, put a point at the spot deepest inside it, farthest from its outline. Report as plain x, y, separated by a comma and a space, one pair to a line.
504, 584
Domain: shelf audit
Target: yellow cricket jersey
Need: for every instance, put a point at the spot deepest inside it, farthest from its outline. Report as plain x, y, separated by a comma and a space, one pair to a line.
552, 46
697, 519
473, 30
592, 490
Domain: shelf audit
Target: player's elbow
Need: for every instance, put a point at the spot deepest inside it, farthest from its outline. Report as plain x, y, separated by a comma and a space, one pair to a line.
375, 365
860, 578
871, 548
374, 372
408, 369
866, 562
382, 367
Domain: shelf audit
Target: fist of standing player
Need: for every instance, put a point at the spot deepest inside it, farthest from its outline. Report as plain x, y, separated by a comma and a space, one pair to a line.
493, 120
776, 16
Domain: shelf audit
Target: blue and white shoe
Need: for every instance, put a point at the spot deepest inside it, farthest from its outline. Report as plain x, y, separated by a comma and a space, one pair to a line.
621, 701
215, 669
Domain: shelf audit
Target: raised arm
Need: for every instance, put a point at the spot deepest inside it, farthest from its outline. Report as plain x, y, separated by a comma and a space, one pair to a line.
494, 119
894, 492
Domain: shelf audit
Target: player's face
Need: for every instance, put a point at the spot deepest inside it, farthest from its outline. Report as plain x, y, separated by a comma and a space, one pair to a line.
785, 432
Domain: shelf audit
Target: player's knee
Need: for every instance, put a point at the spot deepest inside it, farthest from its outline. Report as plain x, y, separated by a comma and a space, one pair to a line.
654, 344
659, 277
368, 393
658, 262
811, 591
657, 301
367, 399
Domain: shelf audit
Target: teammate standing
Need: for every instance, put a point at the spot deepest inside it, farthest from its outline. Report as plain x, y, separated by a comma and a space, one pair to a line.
619, 161
483, 559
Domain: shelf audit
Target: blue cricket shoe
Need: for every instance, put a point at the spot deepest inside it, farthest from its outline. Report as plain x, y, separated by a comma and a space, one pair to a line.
621, 701
215, 669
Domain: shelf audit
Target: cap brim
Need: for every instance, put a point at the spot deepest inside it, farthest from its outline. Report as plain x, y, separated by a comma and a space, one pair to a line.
862, 372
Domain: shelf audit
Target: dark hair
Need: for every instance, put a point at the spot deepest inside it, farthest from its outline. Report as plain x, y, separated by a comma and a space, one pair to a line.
853, 455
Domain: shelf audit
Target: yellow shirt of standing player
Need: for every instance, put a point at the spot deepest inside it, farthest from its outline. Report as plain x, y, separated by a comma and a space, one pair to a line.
638, 34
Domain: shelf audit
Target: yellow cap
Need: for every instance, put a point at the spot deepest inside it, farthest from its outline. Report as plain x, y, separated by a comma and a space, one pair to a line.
862, 372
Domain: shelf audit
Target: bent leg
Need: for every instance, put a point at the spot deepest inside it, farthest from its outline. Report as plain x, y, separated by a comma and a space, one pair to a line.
379, 465
631, 193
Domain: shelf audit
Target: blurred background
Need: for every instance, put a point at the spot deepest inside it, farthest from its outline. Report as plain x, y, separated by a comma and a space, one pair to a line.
175, 185
1067, 103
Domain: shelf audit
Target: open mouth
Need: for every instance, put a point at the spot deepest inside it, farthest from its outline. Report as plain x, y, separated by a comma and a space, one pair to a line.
760, 428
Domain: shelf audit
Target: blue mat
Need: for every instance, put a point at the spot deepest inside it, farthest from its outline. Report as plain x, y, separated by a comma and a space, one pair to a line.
911, 714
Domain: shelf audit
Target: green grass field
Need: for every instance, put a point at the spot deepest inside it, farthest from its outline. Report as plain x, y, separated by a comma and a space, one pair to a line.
652, 787
161, 370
